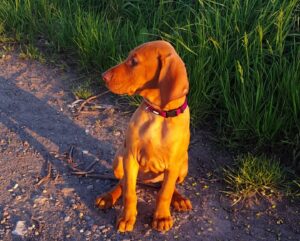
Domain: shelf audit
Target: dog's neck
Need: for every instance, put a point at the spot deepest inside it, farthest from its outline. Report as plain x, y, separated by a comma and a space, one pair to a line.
174, 104
153, 97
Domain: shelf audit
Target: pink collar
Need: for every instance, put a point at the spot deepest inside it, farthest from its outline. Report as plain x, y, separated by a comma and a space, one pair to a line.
169, 113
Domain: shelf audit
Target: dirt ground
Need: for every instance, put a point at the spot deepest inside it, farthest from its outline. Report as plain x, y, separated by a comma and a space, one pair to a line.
38, 127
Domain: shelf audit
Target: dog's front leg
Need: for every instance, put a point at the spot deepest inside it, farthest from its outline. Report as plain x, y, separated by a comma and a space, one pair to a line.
127, 218
162, 220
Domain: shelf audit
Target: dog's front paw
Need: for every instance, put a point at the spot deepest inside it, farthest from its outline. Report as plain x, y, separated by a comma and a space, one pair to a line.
104, 201
126, 222
181, 203
162, 223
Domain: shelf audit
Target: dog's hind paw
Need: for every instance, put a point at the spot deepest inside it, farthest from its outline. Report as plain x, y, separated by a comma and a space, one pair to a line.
181, 203
104, 201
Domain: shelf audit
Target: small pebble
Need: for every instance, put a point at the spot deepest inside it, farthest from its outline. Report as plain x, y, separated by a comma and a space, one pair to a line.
117, 133
20, 229
105, 230
101, 227
67, 191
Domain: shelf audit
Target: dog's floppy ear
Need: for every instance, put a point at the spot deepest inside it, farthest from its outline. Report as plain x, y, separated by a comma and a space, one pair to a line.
172, 82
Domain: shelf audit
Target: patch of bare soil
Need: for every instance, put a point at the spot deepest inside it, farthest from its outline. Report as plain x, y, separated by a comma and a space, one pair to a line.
41, 198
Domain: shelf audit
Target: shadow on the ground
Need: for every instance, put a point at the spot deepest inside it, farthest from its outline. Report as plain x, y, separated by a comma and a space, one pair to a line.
45, 128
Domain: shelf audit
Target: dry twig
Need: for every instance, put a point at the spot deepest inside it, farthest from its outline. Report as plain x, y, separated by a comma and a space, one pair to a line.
90, 99
96, 175
70, 161
91, 165
110, 177
47, 177
83, 173
91, 112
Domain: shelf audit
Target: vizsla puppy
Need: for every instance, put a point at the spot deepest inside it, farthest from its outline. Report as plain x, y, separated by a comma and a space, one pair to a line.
158, 135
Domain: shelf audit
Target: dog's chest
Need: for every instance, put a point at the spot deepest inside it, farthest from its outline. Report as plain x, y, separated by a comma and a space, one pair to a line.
150, 161
156, 142
151, 148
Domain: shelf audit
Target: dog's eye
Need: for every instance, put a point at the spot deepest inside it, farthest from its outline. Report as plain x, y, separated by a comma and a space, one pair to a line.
133, 61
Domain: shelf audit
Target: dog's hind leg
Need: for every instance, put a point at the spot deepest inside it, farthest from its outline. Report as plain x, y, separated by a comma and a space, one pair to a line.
179, 202
108, 199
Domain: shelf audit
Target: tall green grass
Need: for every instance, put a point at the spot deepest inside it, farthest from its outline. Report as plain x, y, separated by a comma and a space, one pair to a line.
242, 56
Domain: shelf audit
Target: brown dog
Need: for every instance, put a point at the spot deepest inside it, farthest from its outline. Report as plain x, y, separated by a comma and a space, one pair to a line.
158, 135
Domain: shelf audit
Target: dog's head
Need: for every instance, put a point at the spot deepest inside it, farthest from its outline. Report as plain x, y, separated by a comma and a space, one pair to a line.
153, 70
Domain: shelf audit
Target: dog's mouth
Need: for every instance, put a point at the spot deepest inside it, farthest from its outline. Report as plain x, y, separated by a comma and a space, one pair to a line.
137, 91
120, 88
116, 89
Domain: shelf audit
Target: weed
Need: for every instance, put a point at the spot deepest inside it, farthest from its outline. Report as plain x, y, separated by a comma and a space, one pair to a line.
296, 184
83, 91
253, 177
31, 52
135, 100
3, 37
8, 48
293, 184
293, 189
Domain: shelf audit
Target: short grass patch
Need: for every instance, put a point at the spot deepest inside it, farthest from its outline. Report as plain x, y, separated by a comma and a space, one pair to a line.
255, 177
83, 90
293, 187
31, 52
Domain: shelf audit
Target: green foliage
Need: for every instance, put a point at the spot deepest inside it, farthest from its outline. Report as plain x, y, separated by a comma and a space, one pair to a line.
31, 52
242, 56
253, 177
83, 91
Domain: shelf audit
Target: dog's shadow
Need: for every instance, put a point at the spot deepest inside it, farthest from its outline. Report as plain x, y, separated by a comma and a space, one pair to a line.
43, 127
